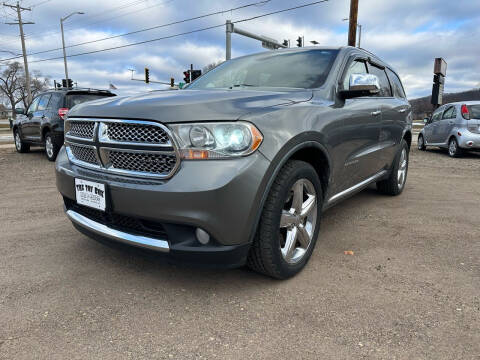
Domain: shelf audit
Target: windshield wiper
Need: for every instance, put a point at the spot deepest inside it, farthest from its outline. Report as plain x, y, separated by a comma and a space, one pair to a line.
239, 85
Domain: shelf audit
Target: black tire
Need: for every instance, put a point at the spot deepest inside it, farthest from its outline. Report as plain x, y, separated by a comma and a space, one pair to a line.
265, 255
52, 146
391, 185
453, 149
20, 145
421, 143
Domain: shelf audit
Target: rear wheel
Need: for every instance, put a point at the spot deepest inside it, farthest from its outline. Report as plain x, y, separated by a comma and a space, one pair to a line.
421, 143
289, 224
453, 148
395, 183
20, 146
51, 146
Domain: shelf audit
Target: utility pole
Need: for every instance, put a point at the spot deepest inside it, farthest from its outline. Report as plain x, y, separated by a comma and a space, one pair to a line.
22, 37
352, 29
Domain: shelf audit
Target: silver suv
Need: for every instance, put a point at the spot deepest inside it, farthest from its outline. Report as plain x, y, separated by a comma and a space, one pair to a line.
454, 126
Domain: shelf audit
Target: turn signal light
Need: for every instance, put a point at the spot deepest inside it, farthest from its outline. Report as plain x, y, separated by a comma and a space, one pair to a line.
62, 112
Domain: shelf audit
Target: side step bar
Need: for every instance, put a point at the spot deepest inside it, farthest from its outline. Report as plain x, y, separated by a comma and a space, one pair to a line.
117, 235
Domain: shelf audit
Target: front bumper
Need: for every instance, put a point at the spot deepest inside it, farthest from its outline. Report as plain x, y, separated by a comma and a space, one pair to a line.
221, 197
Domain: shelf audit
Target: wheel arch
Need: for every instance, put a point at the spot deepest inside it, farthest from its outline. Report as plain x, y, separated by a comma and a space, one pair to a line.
408, 137
310, 151
45, 130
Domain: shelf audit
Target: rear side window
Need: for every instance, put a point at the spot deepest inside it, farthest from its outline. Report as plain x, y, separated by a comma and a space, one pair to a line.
397, 87
385, 90
56, 101
75, 99
356, 67
43, 102
449, 113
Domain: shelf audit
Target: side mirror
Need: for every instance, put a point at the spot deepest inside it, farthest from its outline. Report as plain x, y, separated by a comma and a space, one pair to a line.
20, 111
361, 85
426, 120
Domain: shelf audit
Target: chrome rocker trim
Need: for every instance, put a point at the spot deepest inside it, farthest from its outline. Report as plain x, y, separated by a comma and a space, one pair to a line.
117, 235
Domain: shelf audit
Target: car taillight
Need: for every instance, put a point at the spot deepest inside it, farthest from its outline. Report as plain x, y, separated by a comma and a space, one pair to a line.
465, 113
62, 112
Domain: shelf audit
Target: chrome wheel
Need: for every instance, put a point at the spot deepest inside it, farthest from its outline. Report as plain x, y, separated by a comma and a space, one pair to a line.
49, 146
18, 141
402, 169
452, 148
298, 221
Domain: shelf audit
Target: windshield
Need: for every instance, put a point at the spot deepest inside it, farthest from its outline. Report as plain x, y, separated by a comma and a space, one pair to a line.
305, 69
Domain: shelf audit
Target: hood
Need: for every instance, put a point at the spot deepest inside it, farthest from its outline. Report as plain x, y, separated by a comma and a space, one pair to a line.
188, 105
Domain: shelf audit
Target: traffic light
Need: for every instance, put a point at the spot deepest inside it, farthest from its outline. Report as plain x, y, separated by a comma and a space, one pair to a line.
285, 43
186, 75
299, 41
172, 82
196, 74
69, 83
64, 83
147, 75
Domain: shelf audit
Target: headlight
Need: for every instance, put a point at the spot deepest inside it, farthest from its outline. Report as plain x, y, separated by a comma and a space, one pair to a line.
216, 140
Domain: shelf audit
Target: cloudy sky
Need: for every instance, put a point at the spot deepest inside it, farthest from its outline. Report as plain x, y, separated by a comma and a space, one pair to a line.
408, 34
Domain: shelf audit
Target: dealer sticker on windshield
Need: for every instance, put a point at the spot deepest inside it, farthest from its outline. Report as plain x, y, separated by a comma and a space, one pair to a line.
90, 194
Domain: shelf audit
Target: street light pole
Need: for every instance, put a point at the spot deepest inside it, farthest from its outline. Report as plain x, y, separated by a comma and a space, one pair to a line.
63, 41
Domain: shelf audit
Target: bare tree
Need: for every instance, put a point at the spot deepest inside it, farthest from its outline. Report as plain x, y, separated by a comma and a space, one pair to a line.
10, 84
211, 66
13, 85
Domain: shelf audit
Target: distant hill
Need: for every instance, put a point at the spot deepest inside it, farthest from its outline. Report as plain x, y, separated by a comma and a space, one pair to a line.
422, 107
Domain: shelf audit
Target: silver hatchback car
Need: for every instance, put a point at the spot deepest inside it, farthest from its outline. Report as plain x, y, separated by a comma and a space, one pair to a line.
454, 126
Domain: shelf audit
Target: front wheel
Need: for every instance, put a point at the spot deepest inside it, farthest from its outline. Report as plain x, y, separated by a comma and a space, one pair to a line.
289, 223
421, 143
395, 183
20, 146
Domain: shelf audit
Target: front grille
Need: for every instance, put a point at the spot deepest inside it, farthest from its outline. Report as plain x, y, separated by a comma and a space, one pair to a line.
83, 153
82, 129
121, 222
155, 163
128, 147
137, 133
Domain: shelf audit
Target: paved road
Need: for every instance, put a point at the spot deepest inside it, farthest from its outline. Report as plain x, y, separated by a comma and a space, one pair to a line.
410, 291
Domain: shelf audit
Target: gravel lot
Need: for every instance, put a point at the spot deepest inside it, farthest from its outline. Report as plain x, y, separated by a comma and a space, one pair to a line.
410, 291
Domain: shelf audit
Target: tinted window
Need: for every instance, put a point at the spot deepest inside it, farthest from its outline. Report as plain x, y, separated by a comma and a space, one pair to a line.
43, 103
56, 101
383, 80
397, 87
75, 99
305, 69
356, 67
33, 106
449, 113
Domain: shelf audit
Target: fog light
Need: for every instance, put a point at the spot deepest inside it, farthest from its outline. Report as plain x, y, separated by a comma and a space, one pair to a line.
202, 236
470, 143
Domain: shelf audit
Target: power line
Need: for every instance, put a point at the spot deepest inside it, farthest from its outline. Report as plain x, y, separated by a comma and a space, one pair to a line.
184, 33
147, 29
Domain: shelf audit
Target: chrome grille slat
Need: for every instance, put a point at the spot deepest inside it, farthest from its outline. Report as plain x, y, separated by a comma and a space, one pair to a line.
84, 154
136, 133
128, 147
83, 130
146, 162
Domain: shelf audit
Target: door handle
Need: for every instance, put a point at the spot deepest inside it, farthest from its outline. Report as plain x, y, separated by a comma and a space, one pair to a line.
451, 122
402, 110
376, 113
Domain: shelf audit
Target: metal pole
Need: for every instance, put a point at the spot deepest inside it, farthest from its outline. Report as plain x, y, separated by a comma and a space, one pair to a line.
25, 62
228, 43
359, 35
191, 70
64, 54
352, 29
